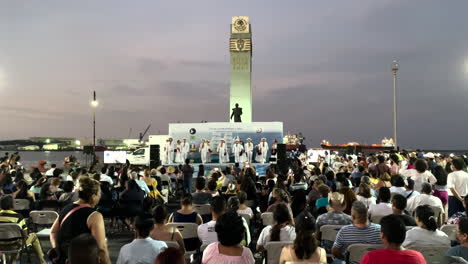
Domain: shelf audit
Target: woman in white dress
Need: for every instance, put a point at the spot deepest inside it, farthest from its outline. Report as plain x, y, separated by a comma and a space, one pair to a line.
178, 152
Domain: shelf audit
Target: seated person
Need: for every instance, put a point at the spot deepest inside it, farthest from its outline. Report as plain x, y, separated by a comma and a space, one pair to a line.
230, 232
162, 231
426, 232
398, 207
171, 256
384, 207
206, 231
186, 214
7, 215
200, 196
393, 232
243, 208
425, 197
364, 195
323, 201
282, 230
360, 232
84, 249
462, 236
305, 248
142, 249
233, 206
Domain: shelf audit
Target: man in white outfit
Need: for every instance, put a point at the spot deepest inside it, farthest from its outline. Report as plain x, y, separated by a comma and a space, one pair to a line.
249, 147
222, 151
203, 151
185, 149
169, 151
264, 150
237, 148
208, 146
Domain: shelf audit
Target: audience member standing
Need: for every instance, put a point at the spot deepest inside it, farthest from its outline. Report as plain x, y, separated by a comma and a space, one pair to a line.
457, 182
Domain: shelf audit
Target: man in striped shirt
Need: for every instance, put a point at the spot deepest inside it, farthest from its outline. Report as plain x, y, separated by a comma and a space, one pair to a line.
7, 215
360, 232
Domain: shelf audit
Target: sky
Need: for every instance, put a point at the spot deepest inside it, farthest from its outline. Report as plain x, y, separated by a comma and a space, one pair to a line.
321, 67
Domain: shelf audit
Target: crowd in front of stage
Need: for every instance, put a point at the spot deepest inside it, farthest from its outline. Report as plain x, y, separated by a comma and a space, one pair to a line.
401, 205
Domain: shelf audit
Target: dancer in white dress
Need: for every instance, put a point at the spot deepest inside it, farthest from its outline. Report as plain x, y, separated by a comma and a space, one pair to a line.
169, 148
203, 151
185, 149
237, 149
178, 152
263, 147
210, 150
249, 148
223, 152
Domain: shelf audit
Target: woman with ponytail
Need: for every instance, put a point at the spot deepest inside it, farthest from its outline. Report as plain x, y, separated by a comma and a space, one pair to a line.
305, 248
282, 230
426, 233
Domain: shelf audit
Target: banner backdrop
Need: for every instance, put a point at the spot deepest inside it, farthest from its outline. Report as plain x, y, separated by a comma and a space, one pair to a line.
195, 132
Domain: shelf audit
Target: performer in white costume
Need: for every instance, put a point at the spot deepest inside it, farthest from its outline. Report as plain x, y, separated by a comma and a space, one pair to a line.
178, 152
237, 149
169, 151
164, 153
208, 156
249, 148
185, 149
274, 150
223, 152
263, 146
203, 151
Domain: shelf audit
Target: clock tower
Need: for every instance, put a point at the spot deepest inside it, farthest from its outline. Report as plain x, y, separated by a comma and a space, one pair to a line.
240, 48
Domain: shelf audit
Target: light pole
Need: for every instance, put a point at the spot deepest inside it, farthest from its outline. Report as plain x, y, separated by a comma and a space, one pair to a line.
94, 104
395, 67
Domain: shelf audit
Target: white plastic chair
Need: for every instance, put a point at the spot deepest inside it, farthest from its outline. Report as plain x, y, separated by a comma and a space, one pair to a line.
267, 219
172, 244
274, 250
10, 232
43, 218
356, 252
329, 232
376, 218
21, 204
450, 230
187, 230
202, 209
432, 253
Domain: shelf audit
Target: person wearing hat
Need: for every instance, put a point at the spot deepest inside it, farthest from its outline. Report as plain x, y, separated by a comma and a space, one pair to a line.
335, 215
169, 151
249, 147
208, 148
237, 148
223, 152
203, 151
185, 149
263, 147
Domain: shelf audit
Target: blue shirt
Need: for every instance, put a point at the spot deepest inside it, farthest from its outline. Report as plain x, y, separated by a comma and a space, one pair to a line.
458, 251
322, 202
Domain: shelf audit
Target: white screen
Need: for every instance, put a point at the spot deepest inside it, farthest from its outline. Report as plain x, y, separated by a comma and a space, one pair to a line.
115, 157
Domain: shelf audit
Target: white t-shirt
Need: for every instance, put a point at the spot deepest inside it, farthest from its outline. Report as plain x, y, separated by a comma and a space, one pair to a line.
247, 211
459, 181
207, 233
421, 237
287, 233
106, 178
367, 201
380, 209
424, 199
50, 172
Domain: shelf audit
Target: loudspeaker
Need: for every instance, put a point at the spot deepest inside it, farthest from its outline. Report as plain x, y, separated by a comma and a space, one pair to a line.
281, 152
155, 158
88, 150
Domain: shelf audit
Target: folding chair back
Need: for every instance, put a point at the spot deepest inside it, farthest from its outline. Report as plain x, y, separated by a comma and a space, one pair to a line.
437, 214
357, 251
267, 219
172, 244
246, 217
274, 250
450, 230
202, 209
21, 204
13, 235
329, 232
376, 218
187, 230
43, 217
432, 253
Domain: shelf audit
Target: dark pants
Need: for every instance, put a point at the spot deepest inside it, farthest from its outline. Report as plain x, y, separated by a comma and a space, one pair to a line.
188, 185
454, 206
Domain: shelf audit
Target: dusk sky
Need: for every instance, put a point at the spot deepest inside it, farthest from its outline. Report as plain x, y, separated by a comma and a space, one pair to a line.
321, 67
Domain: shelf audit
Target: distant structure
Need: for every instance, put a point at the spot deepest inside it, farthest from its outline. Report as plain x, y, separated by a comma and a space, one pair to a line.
240, 47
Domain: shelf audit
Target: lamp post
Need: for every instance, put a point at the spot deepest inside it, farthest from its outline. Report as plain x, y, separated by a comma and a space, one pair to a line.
395, 67
94, 104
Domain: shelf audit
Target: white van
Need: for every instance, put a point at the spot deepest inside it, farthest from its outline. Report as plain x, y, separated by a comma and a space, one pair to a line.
141, 156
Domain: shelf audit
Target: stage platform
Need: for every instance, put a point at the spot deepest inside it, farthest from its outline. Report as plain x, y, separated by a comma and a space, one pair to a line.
260, 168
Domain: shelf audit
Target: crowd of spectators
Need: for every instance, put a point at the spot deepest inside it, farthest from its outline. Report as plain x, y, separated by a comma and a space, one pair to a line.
394, 200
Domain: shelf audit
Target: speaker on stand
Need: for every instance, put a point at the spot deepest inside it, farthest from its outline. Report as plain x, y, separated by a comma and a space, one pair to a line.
282, 159
155, 158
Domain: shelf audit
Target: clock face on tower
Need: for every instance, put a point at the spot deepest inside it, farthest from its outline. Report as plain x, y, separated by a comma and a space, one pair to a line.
240, 25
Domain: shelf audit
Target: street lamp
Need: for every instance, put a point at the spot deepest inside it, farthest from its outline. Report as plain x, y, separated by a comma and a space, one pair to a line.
395, 67
94, 104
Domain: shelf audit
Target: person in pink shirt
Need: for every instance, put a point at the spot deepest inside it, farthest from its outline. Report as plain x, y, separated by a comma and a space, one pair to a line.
230, 230
393, 233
